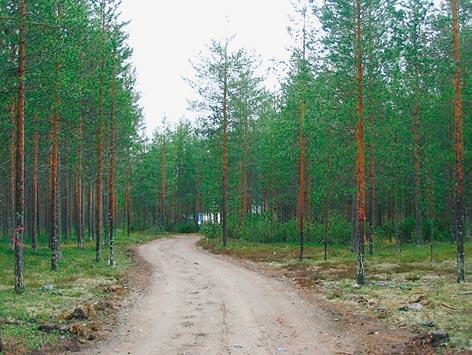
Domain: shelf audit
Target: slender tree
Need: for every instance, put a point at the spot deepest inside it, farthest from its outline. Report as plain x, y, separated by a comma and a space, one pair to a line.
360, 158
224, 162
20, 145
459, 142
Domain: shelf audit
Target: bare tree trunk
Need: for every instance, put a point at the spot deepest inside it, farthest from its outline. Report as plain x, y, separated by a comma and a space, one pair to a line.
35, 216
91, 228
111, 178
360, 149
301, 184
163, 184
98, 199
128, 209
302, 159
326, 205
459, 145
54, 178
79, 192
12, 166
225, 150
371, 196
20, 159
417, 161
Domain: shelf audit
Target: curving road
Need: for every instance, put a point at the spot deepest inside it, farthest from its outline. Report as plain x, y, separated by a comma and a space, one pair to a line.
199, 303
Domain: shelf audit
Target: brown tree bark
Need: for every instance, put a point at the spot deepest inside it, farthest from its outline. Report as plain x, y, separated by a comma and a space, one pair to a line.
459, 144
91, 228
302, 159
54, 166
79, 190
417, 163
35, 215
99, 172
360, 158
12, 165
301, 184
163, 184
371, 192
326, 206
20, 159
111, 178
128, 195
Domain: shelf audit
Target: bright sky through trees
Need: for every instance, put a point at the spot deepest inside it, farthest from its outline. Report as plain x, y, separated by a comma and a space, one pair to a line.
165, 35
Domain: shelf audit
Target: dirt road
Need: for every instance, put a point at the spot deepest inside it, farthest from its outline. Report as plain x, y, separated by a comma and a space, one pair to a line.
200, 303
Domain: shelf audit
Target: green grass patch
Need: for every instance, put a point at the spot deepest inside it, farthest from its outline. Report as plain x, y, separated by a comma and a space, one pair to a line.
48, 294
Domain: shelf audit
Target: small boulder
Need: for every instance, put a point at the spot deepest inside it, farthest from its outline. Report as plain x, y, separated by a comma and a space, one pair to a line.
52, 327
379, 283
417, 298
92, 336
428, 324
48, 287
439, 338
415, 307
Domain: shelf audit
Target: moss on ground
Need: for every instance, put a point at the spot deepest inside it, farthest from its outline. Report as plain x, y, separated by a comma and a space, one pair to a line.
48, 294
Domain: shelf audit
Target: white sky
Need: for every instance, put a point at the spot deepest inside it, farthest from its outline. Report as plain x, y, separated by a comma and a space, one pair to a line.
165, 35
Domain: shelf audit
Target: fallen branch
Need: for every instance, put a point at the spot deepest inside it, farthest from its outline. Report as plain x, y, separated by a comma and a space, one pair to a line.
448, 306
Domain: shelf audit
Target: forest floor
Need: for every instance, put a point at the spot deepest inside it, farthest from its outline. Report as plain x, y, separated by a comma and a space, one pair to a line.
201, 303
405, 289
68, 309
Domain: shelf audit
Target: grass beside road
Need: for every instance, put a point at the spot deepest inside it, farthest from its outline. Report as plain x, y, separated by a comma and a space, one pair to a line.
48, 294
404, 287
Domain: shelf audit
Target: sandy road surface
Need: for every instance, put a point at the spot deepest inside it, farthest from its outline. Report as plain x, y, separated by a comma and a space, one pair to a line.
200, 303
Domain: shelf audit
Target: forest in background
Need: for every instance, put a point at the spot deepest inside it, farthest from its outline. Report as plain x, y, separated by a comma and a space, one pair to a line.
363, 143
373, 101
364, 147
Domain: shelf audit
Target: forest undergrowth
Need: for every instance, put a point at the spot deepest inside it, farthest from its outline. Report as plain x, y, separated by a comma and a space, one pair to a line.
405, 288
57, 306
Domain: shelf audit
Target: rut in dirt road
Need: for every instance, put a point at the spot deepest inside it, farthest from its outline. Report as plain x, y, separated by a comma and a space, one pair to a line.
205, 304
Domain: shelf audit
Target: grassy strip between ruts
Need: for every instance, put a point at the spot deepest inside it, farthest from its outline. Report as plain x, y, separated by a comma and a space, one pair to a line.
404, 287
48, 294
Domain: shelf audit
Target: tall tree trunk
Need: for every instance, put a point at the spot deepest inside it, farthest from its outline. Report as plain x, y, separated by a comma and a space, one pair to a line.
99, 196
163, 184
54, 162
459, 145
360, 149
326, 206
302, 162
79, 192
91, 228
12, 166
417, 161
35, 215
225, 151
371, 191
65, 204
301, 184
20, 159
128, 209
111, 178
